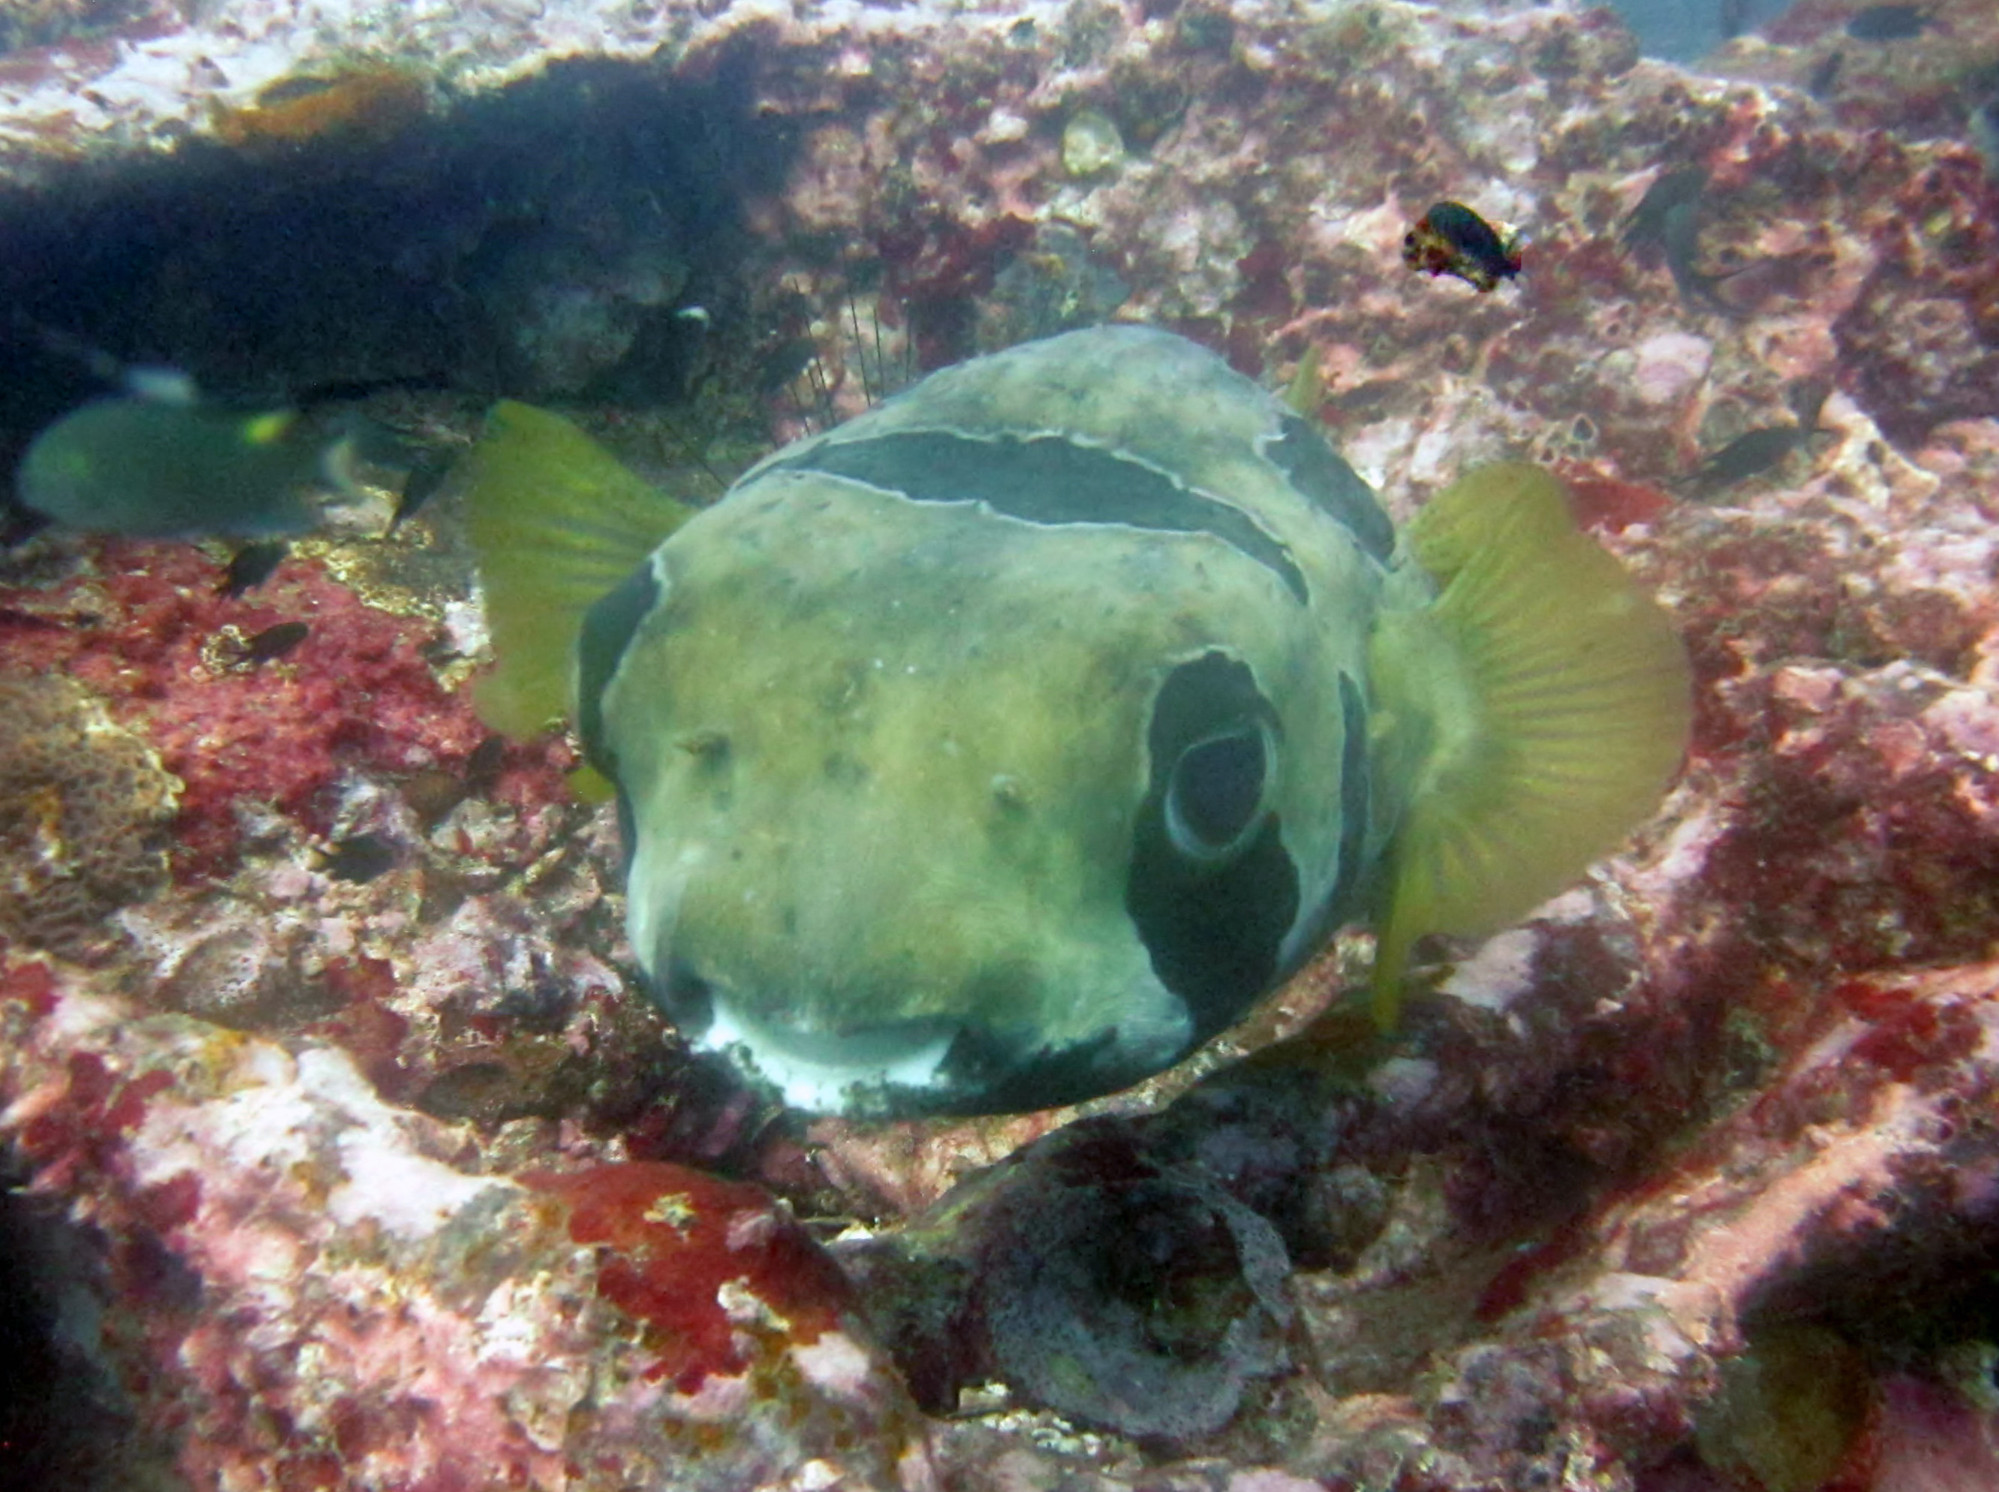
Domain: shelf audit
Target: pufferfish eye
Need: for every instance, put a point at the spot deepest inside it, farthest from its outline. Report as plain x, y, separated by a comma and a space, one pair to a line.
1212, 889
1216, 794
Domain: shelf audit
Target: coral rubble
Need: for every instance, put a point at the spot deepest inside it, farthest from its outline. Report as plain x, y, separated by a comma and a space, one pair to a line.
83, 810
310, 1289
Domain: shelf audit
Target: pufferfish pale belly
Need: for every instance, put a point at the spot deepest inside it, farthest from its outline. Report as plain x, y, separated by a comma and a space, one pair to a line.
994, 749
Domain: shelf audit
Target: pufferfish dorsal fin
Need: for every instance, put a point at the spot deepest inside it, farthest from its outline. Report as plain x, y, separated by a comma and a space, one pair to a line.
556, 522
1535, 712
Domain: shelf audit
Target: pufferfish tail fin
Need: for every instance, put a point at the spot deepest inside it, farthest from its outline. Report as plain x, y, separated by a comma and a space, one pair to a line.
556, 523
1534, 713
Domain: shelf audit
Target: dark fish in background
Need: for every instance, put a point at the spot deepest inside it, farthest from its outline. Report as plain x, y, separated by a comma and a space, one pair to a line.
1757, 451
483, 765
1647, 223
1451, 239
425, 478
1668, 218
1749, 455
251, 566
1984, 130
1887, 23
274, 642
359, 858
1681, 243
1819, 83
433, 793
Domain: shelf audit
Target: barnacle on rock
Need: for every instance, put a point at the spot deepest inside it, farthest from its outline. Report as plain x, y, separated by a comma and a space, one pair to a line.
1098, 1278
83, 810
1148, 1305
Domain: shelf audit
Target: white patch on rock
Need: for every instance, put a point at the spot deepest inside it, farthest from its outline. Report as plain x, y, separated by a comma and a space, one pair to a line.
1402, 1082
815, 1476
744, 1307
1669, 365
387, 1181
285, 1112
465, 628
836, 1364
1269, 1479
1501, 970
403, 1192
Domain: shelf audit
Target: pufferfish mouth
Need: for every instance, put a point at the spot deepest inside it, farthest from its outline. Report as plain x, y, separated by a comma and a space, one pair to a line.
821, 1071
935, 1065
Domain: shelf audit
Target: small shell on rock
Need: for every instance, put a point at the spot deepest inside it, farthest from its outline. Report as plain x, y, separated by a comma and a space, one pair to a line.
1091, 144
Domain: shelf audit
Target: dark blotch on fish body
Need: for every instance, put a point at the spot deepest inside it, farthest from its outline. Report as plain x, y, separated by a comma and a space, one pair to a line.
1451, 239
274, 642
1887, 23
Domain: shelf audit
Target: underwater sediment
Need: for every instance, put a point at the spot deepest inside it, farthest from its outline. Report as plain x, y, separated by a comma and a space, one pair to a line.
347, 1150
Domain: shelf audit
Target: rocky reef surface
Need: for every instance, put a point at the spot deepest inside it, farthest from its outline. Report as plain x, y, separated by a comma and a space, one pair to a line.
347, 1153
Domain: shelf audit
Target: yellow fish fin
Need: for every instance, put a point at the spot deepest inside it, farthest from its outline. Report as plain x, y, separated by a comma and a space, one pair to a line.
268, 429
591, 786
1533, 714
556, 522
1307, 389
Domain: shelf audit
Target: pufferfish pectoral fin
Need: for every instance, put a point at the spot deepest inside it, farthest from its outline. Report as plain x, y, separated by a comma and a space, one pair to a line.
557, 523
1539, 708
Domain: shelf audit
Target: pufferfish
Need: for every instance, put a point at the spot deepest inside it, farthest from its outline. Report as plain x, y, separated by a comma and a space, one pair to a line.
994, 749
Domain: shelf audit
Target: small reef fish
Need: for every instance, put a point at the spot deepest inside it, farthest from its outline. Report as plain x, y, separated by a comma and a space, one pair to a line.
1668, 218
163, 463
1983, 128
359, 858
1748, 455
427, 474
274, 642
251, 566
1757, 451
993, 749
1888, 23
435, 791
1451, 239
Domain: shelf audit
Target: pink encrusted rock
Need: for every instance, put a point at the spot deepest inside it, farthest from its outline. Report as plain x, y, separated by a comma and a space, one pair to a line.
311, 1290
1928, 1438
142, 626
